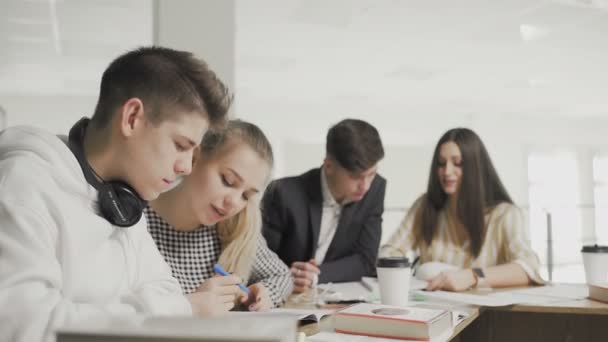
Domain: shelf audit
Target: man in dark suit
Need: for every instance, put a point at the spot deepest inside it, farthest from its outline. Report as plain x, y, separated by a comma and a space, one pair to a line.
326, 223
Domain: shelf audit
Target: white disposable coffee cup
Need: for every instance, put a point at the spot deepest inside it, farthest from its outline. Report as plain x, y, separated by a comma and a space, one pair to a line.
394, 275
595, 259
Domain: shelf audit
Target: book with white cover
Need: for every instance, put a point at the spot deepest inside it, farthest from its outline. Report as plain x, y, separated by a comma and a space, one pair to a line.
411, 323
599, 292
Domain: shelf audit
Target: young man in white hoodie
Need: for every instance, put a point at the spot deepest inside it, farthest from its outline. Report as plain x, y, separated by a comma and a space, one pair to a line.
67, 253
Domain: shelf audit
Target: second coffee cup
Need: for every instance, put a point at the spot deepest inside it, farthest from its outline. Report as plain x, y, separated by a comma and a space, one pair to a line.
595, 260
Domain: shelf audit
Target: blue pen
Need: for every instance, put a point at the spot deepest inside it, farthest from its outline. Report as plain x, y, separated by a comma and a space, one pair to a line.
220, 270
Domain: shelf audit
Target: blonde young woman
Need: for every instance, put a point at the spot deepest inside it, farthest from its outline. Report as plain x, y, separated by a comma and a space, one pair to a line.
465, 227
213, 216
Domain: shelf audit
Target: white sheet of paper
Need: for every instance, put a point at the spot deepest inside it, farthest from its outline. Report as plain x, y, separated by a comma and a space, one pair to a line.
481, 300
353, 290
556, 291
300, 313
536, 295
417, 284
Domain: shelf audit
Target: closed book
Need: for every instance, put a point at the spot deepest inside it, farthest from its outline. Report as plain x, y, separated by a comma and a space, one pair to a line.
410, 323
599, 292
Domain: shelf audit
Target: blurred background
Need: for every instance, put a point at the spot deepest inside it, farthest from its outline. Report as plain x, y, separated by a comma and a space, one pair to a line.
529, 76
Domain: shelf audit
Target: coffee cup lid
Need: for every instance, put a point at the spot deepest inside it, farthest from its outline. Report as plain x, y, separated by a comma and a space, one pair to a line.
595, 249
393, 262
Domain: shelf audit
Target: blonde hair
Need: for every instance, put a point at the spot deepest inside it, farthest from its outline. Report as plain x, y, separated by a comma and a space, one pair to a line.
239, 234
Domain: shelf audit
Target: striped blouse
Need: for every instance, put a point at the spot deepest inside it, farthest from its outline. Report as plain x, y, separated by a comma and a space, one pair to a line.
191, 256
505, 242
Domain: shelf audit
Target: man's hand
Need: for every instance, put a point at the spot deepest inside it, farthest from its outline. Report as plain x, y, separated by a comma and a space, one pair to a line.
305, 274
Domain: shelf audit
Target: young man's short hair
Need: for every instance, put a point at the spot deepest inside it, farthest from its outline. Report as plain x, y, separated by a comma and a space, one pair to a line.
165, 80
354, 144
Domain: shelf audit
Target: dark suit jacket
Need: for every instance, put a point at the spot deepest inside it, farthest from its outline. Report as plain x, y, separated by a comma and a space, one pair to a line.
292, 210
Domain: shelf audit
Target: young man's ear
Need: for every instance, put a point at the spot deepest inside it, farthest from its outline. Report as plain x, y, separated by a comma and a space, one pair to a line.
328, 165
131, 116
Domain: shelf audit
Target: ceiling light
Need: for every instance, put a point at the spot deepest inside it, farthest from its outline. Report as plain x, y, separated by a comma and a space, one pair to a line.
531, 33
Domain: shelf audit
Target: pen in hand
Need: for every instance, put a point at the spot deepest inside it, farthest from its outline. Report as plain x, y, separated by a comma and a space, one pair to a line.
220, 270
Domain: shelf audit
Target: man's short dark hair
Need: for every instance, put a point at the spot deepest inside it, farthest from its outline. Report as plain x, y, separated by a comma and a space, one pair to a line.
354, 144
165, 80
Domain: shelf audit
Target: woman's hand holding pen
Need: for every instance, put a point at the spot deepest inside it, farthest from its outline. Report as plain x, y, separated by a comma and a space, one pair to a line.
304, 275
216, 295
259, 300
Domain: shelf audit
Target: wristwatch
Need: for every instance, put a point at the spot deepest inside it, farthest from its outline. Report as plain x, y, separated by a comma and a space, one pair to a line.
480, 278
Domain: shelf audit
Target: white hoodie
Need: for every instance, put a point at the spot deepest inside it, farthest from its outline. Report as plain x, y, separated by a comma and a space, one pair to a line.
61, 263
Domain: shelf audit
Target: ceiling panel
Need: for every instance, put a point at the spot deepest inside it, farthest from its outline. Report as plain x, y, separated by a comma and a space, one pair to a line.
62, 47
483, 57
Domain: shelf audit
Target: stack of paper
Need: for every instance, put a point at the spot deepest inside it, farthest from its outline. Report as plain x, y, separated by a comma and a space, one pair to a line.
536, 295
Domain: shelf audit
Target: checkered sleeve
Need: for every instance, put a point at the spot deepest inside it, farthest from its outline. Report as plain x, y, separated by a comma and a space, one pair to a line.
271, 272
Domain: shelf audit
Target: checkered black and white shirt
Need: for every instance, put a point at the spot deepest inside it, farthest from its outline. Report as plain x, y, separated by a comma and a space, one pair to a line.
191, 256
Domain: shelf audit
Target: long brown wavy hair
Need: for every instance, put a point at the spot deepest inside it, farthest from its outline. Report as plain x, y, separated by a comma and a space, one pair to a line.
480, 191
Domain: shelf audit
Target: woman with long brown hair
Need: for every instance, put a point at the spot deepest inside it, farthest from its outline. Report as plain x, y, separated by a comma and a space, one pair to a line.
466, 219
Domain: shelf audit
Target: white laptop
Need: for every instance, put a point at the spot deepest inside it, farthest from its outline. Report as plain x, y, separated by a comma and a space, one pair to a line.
181, 329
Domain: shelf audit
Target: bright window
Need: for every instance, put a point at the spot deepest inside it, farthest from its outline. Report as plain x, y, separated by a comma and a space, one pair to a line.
600, 178
553, 185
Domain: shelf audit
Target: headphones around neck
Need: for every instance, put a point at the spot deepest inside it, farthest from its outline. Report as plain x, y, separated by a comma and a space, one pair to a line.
118, 202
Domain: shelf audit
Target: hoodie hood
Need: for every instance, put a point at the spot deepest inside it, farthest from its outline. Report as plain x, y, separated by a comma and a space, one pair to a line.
48, 151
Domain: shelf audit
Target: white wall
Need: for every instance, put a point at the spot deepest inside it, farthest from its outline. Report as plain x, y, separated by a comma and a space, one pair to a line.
57, 113
54, 53
204, 27
53, 89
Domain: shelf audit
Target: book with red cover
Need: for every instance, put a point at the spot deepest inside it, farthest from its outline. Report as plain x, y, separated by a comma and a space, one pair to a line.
599, 292
408, 323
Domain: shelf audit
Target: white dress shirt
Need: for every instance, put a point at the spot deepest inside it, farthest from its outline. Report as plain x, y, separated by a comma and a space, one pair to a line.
330, 217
